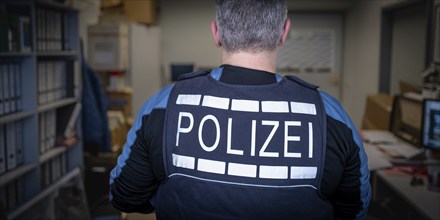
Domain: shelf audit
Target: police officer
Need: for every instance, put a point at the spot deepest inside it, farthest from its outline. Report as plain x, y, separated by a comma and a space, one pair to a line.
240, 141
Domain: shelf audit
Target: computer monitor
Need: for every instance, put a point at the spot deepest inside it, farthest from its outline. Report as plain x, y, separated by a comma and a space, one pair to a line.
179, 69
431, 124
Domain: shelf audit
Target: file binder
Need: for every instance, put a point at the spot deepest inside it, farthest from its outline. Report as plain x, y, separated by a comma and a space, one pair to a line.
6, 97
19, 142
2, 150
11, 151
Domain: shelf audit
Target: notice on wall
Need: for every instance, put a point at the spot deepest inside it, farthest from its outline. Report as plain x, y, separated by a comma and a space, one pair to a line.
308, 51
104, 52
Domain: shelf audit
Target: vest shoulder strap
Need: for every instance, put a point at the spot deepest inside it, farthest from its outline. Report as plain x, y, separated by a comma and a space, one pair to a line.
302, 82
193, 74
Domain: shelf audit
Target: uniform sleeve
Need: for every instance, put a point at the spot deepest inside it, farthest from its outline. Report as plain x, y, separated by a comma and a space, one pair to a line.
356, 177
133, 181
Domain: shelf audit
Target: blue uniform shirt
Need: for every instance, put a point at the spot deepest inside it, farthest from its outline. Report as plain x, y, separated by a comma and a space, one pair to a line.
241, 151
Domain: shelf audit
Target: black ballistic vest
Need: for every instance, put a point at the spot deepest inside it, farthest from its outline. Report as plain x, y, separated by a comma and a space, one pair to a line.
243, 152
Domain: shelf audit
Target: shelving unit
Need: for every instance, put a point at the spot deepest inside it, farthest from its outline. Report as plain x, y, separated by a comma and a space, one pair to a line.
15, 116
10, 176
57, 104
54, 40
73, 176
57, 54
15, 54
53, 153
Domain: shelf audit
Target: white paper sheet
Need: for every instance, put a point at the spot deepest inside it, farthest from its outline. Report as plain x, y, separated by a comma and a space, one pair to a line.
400, 149
379, 137
376, 158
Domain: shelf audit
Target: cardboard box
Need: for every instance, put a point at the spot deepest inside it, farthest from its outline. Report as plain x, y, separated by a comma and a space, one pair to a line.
140, 11
113, 16
377, 112
110, 3
108, 47
118, 130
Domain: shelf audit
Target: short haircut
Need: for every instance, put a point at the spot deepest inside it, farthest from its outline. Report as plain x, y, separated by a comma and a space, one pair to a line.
250, 25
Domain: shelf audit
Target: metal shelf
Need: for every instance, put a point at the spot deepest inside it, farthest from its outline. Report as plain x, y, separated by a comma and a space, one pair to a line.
15, 117
55, 152
57, 104
15, 54
55, 5
57, 54
28, 175
43, 194
15, 173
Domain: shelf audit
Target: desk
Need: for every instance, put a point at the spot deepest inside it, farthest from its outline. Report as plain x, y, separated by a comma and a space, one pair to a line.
393, 192
403, 200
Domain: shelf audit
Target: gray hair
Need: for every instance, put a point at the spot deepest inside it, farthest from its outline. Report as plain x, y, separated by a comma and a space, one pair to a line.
250, 25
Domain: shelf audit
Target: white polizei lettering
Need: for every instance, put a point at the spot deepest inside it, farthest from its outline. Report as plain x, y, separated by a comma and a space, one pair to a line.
183, 161
179, 123
184, 99
215, 102
310, 140
273, 172
211, 166
263, 152
288, 138
245, 170
253, 136
297, 172
303, 108
275, 106
228, 144
245, 105
217, 137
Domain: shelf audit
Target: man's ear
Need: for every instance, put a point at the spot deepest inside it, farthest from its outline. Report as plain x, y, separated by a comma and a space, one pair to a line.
286, 29
214, 31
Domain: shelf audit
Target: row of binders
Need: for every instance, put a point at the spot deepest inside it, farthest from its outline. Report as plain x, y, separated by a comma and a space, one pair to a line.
11, 146
10, 195
52, 81
10, 87
15, 33
49, 30
47, 122
50, 171
53, 170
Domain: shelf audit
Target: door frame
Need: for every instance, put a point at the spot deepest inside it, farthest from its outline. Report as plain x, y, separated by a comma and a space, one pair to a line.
386, 39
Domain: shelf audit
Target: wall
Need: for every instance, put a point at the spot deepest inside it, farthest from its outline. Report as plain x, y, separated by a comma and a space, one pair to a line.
144, 54
362, 55
408, 48
144, 63
89, 15
186, 37
319, 5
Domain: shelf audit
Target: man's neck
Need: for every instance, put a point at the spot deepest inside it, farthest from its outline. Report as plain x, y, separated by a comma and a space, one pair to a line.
264, 61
